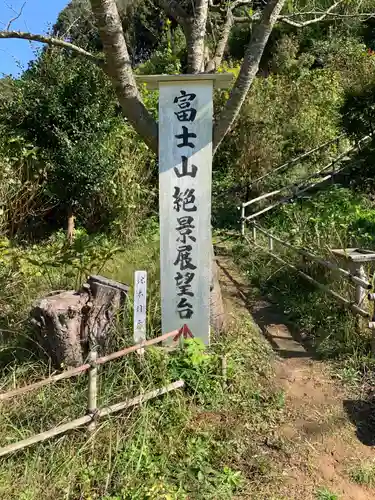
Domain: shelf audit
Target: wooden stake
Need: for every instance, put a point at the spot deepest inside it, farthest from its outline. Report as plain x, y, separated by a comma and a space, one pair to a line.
92, 389
224, 369
270, 242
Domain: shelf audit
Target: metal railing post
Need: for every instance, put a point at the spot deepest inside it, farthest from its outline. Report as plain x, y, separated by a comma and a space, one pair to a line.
254, 232
243, 219
270, 242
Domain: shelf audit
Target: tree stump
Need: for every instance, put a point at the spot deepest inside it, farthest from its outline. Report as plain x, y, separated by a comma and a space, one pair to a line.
68, 322
107, 298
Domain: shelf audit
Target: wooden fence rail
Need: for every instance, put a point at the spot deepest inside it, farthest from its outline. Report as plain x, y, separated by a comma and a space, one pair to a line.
93, 413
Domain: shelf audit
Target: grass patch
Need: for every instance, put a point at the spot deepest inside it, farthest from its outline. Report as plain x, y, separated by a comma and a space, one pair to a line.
325, 494
194, 443
364, 474
203, 442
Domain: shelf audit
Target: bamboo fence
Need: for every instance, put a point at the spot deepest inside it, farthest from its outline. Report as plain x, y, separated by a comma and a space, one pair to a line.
93, 412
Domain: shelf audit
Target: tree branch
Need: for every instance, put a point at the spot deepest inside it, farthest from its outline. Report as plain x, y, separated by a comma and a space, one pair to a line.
287, 20
328, 14
118, 68
215, 62
229, 5
239, 3
318, 16
195, 32
57, 42
17, 16
217, 58
248, 71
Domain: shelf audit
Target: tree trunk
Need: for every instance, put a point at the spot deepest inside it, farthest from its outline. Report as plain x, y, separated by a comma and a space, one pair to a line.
174, 9
68, 322
107, 299
70, 228
195, 32
58, 319
248, 71
119, 69
215, 62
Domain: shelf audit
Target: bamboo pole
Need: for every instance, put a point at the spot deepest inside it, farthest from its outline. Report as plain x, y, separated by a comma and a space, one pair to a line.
141, 398
347, 303
92, 389
128, 350
78, 422
224, 369
325, 263
37, 385
83, 368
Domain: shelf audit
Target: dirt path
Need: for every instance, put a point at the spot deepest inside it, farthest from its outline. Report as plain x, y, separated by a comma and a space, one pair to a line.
324, 435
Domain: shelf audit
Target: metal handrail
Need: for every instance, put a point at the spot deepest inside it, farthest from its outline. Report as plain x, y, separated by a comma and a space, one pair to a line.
301, 157
354, 307
329, 265
297, 188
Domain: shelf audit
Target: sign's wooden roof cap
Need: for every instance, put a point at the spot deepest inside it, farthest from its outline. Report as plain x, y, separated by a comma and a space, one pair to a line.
220, 80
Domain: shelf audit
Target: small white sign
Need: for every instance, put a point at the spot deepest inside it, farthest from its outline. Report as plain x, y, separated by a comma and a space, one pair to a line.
185, 164
140, 305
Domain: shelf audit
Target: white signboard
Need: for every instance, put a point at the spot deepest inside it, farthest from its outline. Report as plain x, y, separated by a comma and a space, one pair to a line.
185, 169
140, 310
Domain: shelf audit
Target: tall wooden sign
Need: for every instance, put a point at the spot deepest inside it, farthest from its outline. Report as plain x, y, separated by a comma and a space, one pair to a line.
185, 171
185, 168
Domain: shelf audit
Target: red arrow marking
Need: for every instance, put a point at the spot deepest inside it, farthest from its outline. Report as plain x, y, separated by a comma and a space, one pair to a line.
185, 332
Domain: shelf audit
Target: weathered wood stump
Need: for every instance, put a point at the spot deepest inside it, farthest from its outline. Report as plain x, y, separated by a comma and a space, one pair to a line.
68, 322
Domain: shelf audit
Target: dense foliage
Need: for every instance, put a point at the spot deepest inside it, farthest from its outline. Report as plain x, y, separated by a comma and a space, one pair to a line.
65, 147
